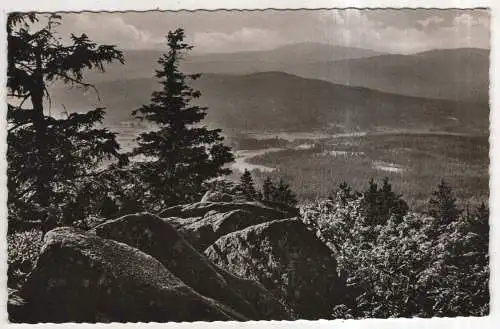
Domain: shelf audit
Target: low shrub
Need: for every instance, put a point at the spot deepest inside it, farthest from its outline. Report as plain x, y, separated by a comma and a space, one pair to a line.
417, 265
23, 249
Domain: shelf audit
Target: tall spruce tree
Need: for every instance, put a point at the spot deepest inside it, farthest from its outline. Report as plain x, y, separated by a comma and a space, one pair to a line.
370, 203
442, 204
344, 193
282, 193
182, 153
247, 186
267, 189
48, 157
381, 203
391, 203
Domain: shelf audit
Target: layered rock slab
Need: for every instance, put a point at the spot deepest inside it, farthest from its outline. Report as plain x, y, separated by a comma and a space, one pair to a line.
159, 239
203, 223
289, 260
80, 277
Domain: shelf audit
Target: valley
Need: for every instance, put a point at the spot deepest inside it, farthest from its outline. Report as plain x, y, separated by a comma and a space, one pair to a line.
315, 163
318, 115
414, 163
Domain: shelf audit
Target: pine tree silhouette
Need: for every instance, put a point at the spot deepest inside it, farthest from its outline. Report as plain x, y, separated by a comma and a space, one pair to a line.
267, 189
247, 186
182, 152
442, 204
48, 158
283, 194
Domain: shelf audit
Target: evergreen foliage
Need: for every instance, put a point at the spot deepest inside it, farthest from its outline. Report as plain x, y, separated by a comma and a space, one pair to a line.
442, 204
280, 193
414, 266
182, 153
283, 194
381, 203
267, 189
222, 186
344, 193
247, 186
50, 161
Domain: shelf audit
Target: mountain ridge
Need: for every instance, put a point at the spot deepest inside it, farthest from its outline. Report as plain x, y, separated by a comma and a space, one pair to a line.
283, 101
460, 74
142, 63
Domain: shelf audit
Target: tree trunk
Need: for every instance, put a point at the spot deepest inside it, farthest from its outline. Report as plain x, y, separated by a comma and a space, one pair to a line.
40, 147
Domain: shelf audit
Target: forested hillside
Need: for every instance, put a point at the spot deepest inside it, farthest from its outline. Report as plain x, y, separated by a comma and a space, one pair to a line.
455, 74
280, 101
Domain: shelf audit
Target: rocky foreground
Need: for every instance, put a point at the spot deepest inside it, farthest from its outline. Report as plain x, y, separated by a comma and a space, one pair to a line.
206, 261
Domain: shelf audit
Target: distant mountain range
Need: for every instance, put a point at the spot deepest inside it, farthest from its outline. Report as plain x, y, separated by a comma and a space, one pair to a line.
142, 63
281, 101
460, 74
279, 59
307, 86
457, 74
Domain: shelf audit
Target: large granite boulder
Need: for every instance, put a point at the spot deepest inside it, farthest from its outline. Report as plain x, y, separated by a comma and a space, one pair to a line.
80, 277
217, 196
159, 239
289, 260
15, 304
267, 305
203, 223
259, 208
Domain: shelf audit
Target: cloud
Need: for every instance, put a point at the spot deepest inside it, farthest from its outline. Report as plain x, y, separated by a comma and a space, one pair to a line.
467, 30
386, 30
240, 40
111, 28
430, 21
467, 20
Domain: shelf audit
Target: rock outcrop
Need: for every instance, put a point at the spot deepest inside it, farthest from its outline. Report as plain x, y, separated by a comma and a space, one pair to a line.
216, 196
156, 237
204, 222
205, 261
288, 260
80, 277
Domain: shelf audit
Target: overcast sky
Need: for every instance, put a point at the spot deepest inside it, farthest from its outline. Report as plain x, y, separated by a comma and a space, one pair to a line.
398, 31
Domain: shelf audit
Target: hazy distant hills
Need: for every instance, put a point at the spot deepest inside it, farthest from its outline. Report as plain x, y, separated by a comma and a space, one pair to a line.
307, 86
457, 74
279, 59
142, 63
280, 101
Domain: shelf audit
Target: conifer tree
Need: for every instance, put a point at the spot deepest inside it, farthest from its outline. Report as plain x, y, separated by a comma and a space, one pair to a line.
267, 189
391, 203
283, 194
477, 223
182, 153
247, 186
47, 157
483, 214
442, 204
370, 203
345, 193
381, 203
481, 226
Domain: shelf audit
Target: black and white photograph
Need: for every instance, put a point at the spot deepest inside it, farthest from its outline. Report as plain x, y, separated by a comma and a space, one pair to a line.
243, 165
